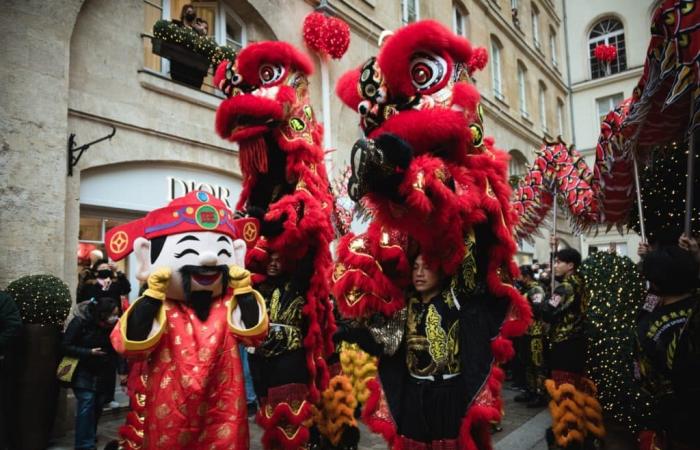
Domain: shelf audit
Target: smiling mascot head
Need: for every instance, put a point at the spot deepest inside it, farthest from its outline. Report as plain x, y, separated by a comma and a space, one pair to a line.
196, 237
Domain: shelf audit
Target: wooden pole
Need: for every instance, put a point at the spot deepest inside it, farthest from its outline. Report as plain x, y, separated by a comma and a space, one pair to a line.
639, 197
691, 175
554, 239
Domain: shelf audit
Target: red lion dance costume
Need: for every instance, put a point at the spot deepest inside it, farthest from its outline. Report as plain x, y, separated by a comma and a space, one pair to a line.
431, 180
268, 113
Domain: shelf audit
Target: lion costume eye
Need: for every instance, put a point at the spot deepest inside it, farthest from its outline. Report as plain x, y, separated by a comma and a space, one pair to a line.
427, 70
270, 73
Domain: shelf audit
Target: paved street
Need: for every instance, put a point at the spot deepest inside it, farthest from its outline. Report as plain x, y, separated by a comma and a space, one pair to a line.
523, 429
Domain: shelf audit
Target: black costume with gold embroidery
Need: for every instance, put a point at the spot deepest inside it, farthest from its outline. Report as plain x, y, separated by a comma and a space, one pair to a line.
278, 366
536, 370
669, 364
564, 313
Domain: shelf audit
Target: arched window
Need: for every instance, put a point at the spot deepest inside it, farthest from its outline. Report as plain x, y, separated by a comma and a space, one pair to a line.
543, 106
553, 46
522, 89
517, 166
608, 31
536, 27
560, 117
496, 80
409, 11
460, 20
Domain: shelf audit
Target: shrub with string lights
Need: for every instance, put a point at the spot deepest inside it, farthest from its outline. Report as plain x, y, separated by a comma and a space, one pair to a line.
190, 39
615, 294
663, 186
41, 299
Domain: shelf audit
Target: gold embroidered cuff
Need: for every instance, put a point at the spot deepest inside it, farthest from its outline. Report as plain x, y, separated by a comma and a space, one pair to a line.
260, 328
153, 338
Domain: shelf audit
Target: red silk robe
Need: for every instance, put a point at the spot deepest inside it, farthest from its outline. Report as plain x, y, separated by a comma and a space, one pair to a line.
195, 393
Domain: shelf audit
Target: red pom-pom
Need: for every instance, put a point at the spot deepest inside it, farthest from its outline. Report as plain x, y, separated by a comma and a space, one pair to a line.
605, 53
337, 37
478, 59
314, 25
326, 35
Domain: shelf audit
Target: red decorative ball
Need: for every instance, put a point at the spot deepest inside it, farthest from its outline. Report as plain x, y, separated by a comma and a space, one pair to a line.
337, 37
605, 53
314, 26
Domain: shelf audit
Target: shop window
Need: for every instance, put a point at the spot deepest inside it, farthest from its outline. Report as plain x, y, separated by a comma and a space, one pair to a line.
607, 32
92, 230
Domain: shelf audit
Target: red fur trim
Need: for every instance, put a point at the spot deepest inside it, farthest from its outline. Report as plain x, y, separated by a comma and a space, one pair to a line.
245, 105
386, 428
478, 60
427, 35
271, 52
502, 349
220, 72
347, 88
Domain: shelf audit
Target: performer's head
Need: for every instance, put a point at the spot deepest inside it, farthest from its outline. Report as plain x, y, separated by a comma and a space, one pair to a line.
566, 262
104, 311
671, 271
194, 236
274, 265
526, 273
427, 280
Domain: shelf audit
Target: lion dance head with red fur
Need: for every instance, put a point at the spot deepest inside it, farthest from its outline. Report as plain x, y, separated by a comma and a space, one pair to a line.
267, 112
434, 185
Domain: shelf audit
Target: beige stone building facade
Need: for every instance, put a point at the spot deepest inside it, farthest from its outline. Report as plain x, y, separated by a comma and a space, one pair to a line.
597, 89
81, 67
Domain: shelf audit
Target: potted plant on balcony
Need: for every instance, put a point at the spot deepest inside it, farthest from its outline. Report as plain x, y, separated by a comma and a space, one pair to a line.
44, 302
190, 54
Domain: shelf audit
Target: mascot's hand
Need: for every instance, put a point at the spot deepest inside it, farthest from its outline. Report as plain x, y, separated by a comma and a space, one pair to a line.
158, 283
239, 279
378, 166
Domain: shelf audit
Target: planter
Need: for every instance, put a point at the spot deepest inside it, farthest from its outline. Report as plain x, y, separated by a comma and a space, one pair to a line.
37, 386
186, 66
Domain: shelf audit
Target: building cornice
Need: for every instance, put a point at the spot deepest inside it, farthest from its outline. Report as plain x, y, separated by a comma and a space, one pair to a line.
517, 38
622, 76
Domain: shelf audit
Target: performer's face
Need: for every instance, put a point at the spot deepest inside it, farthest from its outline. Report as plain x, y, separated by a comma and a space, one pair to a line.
199, 261
562, 268
425, 280
274, 267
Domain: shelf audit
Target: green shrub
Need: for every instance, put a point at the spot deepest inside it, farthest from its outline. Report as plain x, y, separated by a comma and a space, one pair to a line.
41, 299
189, 38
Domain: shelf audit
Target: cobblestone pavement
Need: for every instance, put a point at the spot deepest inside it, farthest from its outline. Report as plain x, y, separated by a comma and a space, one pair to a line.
515, 416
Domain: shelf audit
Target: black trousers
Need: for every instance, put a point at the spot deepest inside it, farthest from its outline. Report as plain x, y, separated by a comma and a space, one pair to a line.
286, 368
432, 410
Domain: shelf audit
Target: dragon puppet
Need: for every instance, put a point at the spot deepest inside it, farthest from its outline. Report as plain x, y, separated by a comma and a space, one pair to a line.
437, 188
267, 112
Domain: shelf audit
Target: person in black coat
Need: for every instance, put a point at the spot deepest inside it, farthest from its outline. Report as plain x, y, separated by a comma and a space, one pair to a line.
87, 338
104, 282
10, 329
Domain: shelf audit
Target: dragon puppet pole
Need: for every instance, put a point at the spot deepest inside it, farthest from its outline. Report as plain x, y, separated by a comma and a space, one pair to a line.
326, 99
639, 196
554, 238
691, 176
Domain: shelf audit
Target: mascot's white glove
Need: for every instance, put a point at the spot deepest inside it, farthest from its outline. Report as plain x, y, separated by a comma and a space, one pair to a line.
158, 283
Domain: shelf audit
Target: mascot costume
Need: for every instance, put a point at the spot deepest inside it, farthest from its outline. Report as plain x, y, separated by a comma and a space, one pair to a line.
198, 305
267, 112
435, 186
